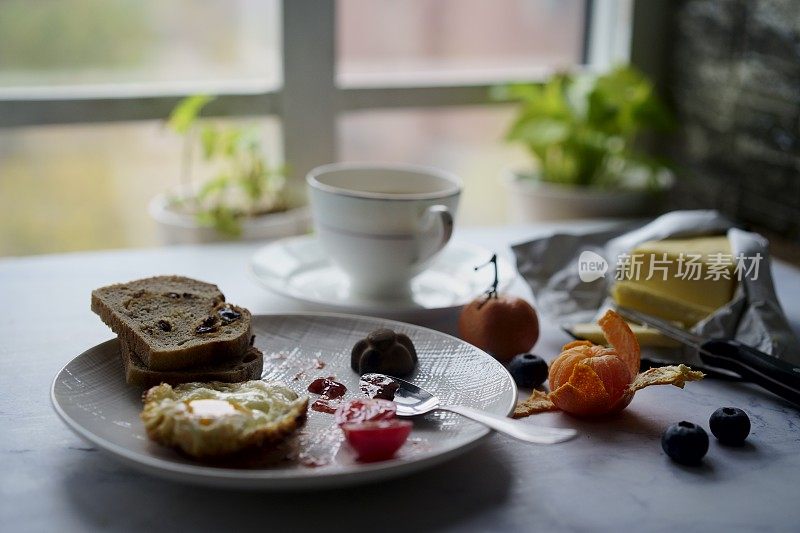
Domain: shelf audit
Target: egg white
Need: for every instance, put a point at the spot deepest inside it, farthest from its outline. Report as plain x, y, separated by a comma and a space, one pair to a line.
210, 419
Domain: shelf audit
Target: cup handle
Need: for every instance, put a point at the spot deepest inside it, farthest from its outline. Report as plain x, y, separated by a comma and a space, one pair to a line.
436, 230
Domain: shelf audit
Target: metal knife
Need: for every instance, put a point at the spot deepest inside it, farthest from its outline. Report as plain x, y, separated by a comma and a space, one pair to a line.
752, 365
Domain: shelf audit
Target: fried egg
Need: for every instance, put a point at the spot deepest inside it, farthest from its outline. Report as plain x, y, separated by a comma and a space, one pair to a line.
212, 419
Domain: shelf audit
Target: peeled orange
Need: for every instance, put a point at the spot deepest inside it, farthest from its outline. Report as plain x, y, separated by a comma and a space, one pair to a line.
590, 380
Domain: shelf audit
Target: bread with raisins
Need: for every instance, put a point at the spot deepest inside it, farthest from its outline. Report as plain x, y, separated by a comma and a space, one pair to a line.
174, 322
245, 368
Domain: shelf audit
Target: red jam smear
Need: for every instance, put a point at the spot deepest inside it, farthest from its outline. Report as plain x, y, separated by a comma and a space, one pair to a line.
327, 387
381, 387
329, 390
324, 405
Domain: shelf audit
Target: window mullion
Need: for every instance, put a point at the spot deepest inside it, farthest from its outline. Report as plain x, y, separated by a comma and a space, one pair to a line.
352, 99
308, 97
609, 33
42, 111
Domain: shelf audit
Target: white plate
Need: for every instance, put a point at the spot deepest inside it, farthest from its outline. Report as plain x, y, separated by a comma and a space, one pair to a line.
298, 268
91, 396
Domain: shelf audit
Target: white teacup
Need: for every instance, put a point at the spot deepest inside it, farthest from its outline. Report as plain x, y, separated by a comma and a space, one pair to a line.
382, 224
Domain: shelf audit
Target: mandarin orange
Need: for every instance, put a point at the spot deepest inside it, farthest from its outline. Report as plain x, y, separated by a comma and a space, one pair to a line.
502, 325
588, 380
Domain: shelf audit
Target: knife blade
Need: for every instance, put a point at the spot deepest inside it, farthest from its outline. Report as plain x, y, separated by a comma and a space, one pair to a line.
767, 371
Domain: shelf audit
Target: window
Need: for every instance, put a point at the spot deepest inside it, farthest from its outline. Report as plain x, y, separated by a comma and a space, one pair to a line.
462, 139
384, 42
81, 43
84, 85
84, 186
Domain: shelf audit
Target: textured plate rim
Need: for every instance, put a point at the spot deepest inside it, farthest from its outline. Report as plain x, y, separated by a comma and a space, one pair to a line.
364, 306
267, 479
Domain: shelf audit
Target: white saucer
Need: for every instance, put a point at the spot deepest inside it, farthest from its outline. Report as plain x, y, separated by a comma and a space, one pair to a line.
299, 269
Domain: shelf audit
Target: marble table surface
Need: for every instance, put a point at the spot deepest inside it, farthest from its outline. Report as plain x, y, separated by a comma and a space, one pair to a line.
613, 477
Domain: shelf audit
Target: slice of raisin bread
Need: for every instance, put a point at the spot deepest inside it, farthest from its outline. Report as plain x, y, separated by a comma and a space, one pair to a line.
245, 368
173, 322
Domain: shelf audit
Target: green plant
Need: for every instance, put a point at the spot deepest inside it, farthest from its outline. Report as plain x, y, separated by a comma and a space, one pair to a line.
584, 130
243, 183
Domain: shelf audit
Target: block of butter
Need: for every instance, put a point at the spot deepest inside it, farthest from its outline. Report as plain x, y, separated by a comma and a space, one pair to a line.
682, 280
658, 304
646, 336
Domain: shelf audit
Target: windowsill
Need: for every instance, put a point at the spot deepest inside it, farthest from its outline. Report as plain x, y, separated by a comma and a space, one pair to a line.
140, 90
427, 75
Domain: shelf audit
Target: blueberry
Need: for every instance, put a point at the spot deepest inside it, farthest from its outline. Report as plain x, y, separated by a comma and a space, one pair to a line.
730, 425
528, 370
685, 443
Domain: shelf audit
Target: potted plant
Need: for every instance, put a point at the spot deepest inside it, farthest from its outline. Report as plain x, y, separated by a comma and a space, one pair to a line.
244, 197
584, 133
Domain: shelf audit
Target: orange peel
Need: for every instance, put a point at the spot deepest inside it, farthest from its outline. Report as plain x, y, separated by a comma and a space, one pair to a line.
590, 380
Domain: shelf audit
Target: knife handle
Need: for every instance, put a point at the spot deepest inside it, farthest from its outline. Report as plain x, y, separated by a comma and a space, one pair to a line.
769, 372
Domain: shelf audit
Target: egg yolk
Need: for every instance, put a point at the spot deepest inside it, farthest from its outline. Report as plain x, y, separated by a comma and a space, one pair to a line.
206, 410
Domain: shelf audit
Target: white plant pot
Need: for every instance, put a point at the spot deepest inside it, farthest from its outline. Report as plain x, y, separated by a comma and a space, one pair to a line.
532, 200
181, 228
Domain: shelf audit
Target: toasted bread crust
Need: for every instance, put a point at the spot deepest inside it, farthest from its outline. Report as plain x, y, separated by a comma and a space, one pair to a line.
184, 349
248, 367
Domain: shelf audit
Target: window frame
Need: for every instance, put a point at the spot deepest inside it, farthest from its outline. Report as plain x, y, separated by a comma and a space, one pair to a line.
309, 100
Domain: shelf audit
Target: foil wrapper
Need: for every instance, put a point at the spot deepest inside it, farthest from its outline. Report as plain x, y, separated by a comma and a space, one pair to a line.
753, 316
